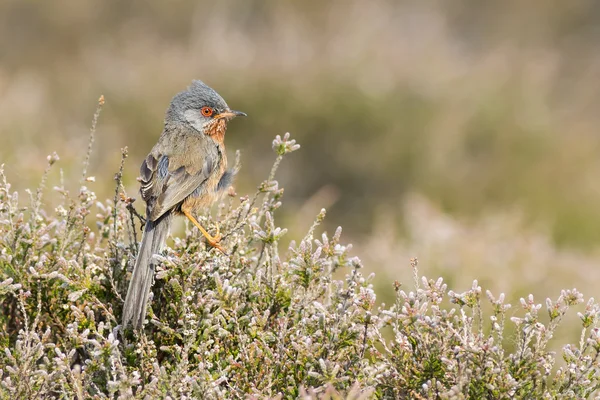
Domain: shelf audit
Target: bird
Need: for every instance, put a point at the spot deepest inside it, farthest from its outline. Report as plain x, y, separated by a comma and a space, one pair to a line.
185, 171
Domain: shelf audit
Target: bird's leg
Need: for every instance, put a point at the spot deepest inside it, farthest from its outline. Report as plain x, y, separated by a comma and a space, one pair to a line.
213, 241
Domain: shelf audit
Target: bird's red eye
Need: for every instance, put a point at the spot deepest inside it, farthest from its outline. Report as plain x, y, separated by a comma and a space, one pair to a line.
206, 111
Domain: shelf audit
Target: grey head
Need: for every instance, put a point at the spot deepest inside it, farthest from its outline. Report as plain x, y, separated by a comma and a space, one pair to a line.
199, 106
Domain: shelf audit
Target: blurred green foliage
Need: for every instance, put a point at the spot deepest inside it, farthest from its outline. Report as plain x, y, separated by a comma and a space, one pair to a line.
479, 107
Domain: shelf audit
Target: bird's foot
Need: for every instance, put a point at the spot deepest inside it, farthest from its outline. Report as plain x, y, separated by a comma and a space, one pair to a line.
216, 245
213, 241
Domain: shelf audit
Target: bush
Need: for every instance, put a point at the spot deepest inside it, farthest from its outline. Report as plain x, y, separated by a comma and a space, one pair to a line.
258, 322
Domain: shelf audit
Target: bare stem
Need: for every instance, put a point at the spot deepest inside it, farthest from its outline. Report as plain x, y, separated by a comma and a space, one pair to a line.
88, 154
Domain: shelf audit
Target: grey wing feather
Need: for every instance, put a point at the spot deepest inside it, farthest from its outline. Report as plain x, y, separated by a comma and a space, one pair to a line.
163, 188
179, 185
226, 180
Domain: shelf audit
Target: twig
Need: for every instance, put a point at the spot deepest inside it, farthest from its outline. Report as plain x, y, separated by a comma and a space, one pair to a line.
133, 213
86, 162
38, 195
364, 343
118, 178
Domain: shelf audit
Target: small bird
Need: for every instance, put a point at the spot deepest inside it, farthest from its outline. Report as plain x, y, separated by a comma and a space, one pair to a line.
185, 171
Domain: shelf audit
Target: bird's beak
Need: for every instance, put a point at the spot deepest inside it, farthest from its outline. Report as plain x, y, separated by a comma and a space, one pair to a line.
230, 114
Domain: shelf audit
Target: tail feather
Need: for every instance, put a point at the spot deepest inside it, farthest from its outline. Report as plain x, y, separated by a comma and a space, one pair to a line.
136, 302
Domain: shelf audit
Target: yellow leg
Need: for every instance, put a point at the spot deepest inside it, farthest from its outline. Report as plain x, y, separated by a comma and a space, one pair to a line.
212, 241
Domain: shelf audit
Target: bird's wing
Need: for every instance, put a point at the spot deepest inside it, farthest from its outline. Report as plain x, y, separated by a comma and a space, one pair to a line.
166, 180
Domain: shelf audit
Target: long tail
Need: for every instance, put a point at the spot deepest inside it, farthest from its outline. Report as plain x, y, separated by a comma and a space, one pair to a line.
136, 302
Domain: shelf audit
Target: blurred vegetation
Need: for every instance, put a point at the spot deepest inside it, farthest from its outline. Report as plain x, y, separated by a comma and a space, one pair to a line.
478, 109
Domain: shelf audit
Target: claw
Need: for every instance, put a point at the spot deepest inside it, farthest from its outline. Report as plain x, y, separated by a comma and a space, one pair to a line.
216, 245
213, 241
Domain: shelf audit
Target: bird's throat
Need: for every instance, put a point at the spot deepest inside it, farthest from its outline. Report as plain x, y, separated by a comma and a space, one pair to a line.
217, 130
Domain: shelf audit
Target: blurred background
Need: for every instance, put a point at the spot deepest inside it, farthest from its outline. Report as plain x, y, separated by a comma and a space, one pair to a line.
463, 133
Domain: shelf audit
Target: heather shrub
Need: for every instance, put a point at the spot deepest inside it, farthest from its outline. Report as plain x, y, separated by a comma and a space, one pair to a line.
268, 320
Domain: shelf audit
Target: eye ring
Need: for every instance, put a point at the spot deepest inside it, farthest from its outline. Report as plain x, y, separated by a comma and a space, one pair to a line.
206, 111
